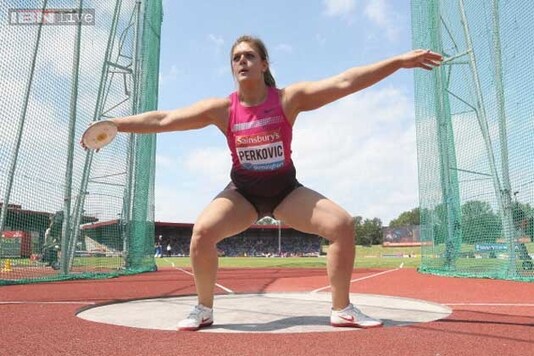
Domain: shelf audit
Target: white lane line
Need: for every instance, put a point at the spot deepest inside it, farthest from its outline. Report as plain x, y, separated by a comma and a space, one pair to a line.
37, 302
227, 290
492, 304
362, 278
166, 260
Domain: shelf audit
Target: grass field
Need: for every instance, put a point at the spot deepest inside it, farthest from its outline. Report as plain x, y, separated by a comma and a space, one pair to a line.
366, 257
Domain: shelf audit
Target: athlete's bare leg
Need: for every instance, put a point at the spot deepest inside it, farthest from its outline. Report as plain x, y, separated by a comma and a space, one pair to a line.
310, 212
227, 215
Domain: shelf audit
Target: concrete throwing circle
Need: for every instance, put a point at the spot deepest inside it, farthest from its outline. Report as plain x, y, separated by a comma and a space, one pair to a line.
264, 313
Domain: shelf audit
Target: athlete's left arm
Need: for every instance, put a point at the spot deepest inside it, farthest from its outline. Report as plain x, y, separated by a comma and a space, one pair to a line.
305, 96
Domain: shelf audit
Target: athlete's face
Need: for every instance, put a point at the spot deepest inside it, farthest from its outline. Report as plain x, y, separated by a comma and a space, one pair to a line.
247, 63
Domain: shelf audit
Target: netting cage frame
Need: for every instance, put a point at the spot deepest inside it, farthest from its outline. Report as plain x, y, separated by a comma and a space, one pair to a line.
71, 64
475, 127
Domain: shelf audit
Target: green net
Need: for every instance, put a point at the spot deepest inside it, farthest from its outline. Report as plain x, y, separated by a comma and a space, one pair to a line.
475, 137
68, 213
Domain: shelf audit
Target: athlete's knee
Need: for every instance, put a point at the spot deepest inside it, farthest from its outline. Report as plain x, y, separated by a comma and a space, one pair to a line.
203, 237
339, 227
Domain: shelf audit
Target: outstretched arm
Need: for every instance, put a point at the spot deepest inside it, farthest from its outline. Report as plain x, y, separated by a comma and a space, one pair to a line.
198, 115
307, 96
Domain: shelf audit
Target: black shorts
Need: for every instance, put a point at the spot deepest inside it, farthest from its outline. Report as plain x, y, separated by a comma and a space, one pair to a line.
265, 193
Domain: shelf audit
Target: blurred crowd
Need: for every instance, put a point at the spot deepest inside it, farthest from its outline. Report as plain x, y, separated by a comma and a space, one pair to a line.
246, 246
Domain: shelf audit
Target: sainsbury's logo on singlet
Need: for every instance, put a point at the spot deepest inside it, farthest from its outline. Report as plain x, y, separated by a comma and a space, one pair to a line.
263, 151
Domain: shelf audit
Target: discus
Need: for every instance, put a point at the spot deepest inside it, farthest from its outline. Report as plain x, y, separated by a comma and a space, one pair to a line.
99, 134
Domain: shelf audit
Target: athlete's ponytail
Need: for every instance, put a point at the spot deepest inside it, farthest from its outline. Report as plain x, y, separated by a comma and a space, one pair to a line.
269, 79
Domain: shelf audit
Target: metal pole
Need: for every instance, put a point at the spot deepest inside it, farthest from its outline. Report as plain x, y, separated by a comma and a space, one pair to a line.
447, 154
505, 209
507, 191
127, 200
67, 193
280, 238
80, 198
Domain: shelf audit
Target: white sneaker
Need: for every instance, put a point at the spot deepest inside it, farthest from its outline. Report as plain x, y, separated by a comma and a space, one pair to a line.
200, 317
353, 317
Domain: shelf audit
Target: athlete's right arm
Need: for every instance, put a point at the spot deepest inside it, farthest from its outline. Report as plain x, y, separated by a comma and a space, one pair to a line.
201, 114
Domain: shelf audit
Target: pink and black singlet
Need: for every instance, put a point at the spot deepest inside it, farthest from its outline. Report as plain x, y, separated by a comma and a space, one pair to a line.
259, 138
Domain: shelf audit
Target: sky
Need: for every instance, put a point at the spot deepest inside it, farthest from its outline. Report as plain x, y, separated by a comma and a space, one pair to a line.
359, 151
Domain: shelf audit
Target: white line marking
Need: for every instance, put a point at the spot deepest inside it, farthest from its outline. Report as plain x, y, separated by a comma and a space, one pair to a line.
493, 304
227, 290
183, 270
166, 260
37, 302
362, 278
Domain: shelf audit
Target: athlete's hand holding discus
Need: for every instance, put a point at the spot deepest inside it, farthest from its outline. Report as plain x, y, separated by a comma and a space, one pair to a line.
98, 135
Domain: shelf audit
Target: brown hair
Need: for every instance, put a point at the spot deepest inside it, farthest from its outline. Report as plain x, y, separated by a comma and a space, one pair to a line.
262, 51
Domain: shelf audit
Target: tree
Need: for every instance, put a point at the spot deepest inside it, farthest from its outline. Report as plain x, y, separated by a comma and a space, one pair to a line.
357, 228
406, 218
479, 222
529, 228
368, 231
523, 216
439, 218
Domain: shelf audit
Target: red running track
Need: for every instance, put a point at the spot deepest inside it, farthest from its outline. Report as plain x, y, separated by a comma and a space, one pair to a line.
489, 317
